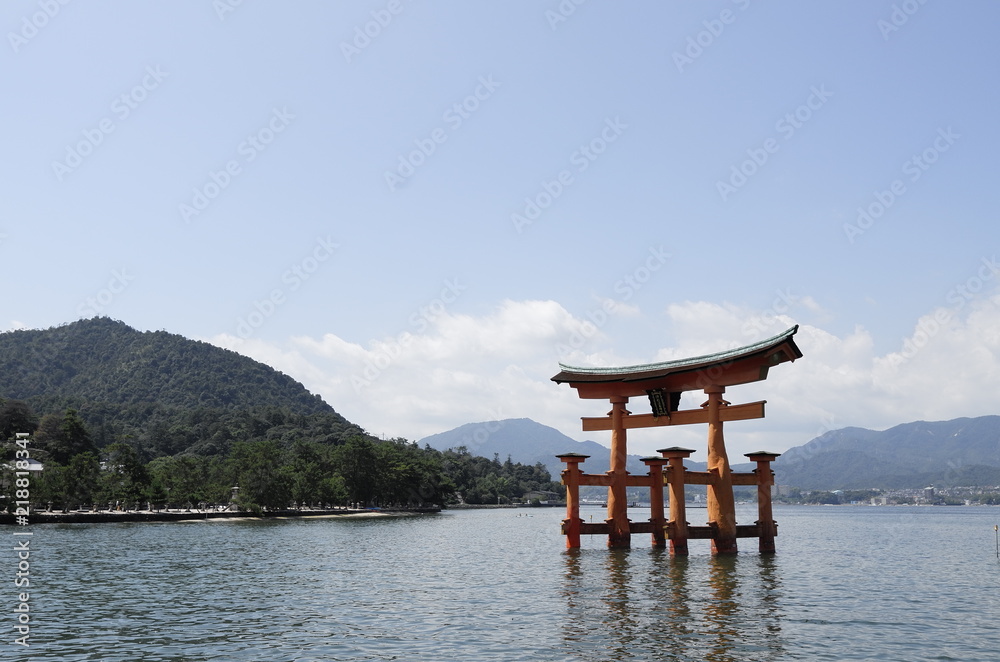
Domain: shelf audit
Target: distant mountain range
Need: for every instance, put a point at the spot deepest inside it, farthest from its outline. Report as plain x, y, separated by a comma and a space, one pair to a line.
525, 441
528, 442
960, 452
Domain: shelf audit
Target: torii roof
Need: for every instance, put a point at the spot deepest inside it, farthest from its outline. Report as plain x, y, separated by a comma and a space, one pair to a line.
735, 366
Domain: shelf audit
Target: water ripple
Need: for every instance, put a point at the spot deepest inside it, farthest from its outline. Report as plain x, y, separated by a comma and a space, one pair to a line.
492, 585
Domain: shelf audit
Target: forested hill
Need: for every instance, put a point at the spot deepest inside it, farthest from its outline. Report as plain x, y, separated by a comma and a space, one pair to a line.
167, 393
123, 416
102, 360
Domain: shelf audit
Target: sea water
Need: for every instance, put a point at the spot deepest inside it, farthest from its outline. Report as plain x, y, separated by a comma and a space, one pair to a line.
847, 583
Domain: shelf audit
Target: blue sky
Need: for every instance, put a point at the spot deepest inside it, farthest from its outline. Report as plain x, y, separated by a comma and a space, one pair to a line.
418, 209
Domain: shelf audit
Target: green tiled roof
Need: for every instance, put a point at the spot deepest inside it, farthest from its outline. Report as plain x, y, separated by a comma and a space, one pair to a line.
680, 364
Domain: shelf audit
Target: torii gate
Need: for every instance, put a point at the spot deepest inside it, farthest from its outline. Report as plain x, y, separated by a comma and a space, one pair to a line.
663, 384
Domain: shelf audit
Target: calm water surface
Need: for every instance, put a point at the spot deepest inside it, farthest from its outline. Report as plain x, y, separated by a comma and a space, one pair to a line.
847, 583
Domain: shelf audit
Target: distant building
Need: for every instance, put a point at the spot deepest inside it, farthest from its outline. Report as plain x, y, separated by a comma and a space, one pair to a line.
782, 490
543, 496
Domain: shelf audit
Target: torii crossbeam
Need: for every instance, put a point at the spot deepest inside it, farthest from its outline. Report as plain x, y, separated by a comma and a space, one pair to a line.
663, 384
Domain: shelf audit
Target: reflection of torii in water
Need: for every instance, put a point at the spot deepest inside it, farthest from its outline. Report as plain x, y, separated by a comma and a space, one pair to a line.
663, 384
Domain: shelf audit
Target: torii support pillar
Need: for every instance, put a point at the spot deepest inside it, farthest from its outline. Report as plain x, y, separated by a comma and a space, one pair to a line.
719, 497
656, 518
677, 526
619, 534
767, 528
571, 479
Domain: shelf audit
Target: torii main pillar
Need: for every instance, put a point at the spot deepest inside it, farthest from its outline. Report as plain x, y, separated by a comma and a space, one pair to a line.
663, 383
721, 504
619, 534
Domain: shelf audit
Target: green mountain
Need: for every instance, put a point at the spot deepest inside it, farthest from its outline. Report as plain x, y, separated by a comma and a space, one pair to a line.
959, 452
164, 393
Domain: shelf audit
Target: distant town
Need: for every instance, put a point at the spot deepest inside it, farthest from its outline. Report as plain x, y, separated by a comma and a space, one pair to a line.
928, 496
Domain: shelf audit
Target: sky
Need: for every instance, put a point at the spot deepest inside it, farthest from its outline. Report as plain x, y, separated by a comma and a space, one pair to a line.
419, 209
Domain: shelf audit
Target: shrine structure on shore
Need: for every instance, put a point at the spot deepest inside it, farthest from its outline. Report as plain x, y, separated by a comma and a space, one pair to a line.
662, 384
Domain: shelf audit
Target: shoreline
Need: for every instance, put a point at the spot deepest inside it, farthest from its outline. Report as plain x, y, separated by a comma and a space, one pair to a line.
105, 516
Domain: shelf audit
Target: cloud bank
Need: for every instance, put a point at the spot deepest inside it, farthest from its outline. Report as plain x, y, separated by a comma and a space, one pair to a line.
462, 368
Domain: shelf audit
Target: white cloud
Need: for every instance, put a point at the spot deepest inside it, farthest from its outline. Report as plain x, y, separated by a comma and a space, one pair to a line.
465, 369
462, 369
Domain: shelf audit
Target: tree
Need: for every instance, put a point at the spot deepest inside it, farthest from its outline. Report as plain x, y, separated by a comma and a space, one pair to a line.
64, 437
310, 467
80, 480
357, 463
332, 489
263, 479
190, 479
124, 477
16, 416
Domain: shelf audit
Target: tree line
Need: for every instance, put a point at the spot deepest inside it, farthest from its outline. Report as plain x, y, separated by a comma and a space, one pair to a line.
273, 469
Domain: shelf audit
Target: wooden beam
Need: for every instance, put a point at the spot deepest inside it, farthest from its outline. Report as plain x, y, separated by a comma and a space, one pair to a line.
598, 528
602, 480
690, 478
744, 478
709, 532
698, 478
707, 478
684, 417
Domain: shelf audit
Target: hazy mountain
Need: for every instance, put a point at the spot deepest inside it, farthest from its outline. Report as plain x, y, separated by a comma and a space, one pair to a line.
528, 442
963, 451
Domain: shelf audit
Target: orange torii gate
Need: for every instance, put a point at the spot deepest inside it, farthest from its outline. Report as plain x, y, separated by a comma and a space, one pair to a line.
663, 384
